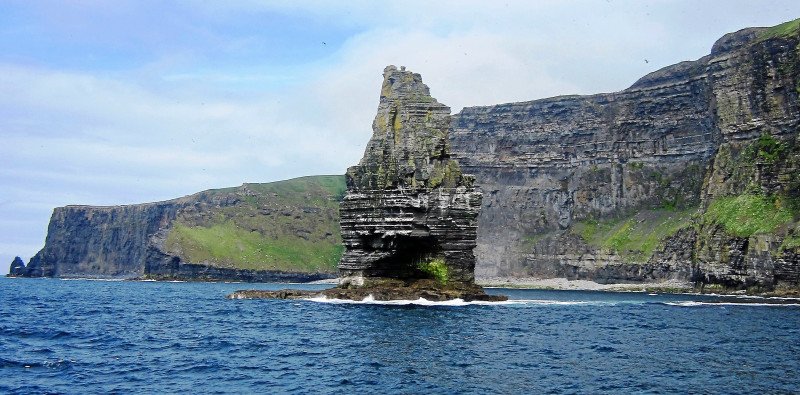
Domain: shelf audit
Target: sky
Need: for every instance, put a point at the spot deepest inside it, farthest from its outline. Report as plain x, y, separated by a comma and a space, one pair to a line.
120, 102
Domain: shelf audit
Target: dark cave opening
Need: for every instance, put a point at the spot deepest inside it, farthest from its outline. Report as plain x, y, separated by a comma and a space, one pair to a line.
409, 252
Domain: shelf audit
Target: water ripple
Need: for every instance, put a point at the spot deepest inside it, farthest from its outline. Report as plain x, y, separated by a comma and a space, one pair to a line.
120, 337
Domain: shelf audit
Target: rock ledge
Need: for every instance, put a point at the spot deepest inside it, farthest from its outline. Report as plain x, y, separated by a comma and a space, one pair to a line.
383, 290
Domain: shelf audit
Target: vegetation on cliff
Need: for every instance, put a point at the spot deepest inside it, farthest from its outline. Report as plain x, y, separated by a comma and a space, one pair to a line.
436, 269
786, 29
290, 225
745, 215
634, 237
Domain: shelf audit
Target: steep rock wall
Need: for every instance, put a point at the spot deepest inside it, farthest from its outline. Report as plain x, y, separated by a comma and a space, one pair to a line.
100, 241
548, 163
755, 74
278, 231
556, 171
408, 206
692, 173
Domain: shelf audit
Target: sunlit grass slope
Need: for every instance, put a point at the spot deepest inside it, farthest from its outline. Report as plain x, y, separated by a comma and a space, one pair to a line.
290, 225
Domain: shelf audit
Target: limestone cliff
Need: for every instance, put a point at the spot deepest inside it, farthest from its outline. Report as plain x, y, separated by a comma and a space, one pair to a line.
278, 231
689, 174
409, 208
629, 186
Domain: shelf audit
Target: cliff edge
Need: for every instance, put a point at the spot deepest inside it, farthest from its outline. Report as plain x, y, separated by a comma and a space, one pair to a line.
691, 175
280, 231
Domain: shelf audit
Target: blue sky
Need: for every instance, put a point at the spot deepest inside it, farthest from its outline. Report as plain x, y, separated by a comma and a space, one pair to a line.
118, 102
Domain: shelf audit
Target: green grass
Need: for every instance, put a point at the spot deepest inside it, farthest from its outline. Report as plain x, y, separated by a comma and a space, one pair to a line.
635, 237
748, 214
766, 149
783, 30
290, 225
435, 268
227, 245
791, 242
312, 186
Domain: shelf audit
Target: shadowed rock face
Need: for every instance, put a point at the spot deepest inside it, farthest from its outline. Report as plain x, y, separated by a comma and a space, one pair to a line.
17, 266
407, 202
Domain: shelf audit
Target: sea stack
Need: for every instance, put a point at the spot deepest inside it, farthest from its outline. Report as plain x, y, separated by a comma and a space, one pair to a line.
17, 267
409, 211
410, 216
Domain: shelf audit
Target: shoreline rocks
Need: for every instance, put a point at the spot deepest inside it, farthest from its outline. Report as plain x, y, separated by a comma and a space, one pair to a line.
382, 290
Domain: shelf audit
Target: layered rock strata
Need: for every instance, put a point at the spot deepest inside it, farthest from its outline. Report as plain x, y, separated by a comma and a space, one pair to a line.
556, 171
690, 174
283, 231
409, 218
408, 204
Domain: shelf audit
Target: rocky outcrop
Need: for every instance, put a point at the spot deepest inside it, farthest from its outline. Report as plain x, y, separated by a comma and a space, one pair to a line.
255, 233
409, 209
675, 140
17, 266
409, 218
383, 290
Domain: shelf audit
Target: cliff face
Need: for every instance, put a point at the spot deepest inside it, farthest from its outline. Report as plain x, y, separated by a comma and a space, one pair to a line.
99, 241
692, 173
547, 164
408, 209
257, 232
622, 186
751, 196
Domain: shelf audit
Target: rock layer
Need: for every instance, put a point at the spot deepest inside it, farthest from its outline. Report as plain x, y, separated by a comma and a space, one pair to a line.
227, 234
675, 140
408, 204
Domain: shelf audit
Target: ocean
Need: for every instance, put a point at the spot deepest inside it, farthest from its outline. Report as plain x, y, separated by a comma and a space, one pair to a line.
86, 337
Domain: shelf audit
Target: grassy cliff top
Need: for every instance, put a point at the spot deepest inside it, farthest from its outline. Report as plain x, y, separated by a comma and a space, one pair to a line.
786, 29
290, 225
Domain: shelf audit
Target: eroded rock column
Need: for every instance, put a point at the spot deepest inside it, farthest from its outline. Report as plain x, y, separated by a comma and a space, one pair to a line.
409, 211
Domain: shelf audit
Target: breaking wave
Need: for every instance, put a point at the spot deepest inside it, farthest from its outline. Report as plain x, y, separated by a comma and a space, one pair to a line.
693, 303
370, 300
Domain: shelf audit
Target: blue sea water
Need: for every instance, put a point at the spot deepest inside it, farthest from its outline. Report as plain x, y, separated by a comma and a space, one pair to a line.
83, 337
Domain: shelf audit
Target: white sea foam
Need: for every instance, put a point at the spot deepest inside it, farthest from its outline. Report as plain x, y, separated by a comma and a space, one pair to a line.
696, 304
455, 302
92, 279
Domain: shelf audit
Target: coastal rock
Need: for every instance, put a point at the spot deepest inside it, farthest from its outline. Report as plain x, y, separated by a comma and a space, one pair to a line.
408, 205
383, 290
217, 235
17, 267
409, 218
690, 174
557, 171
